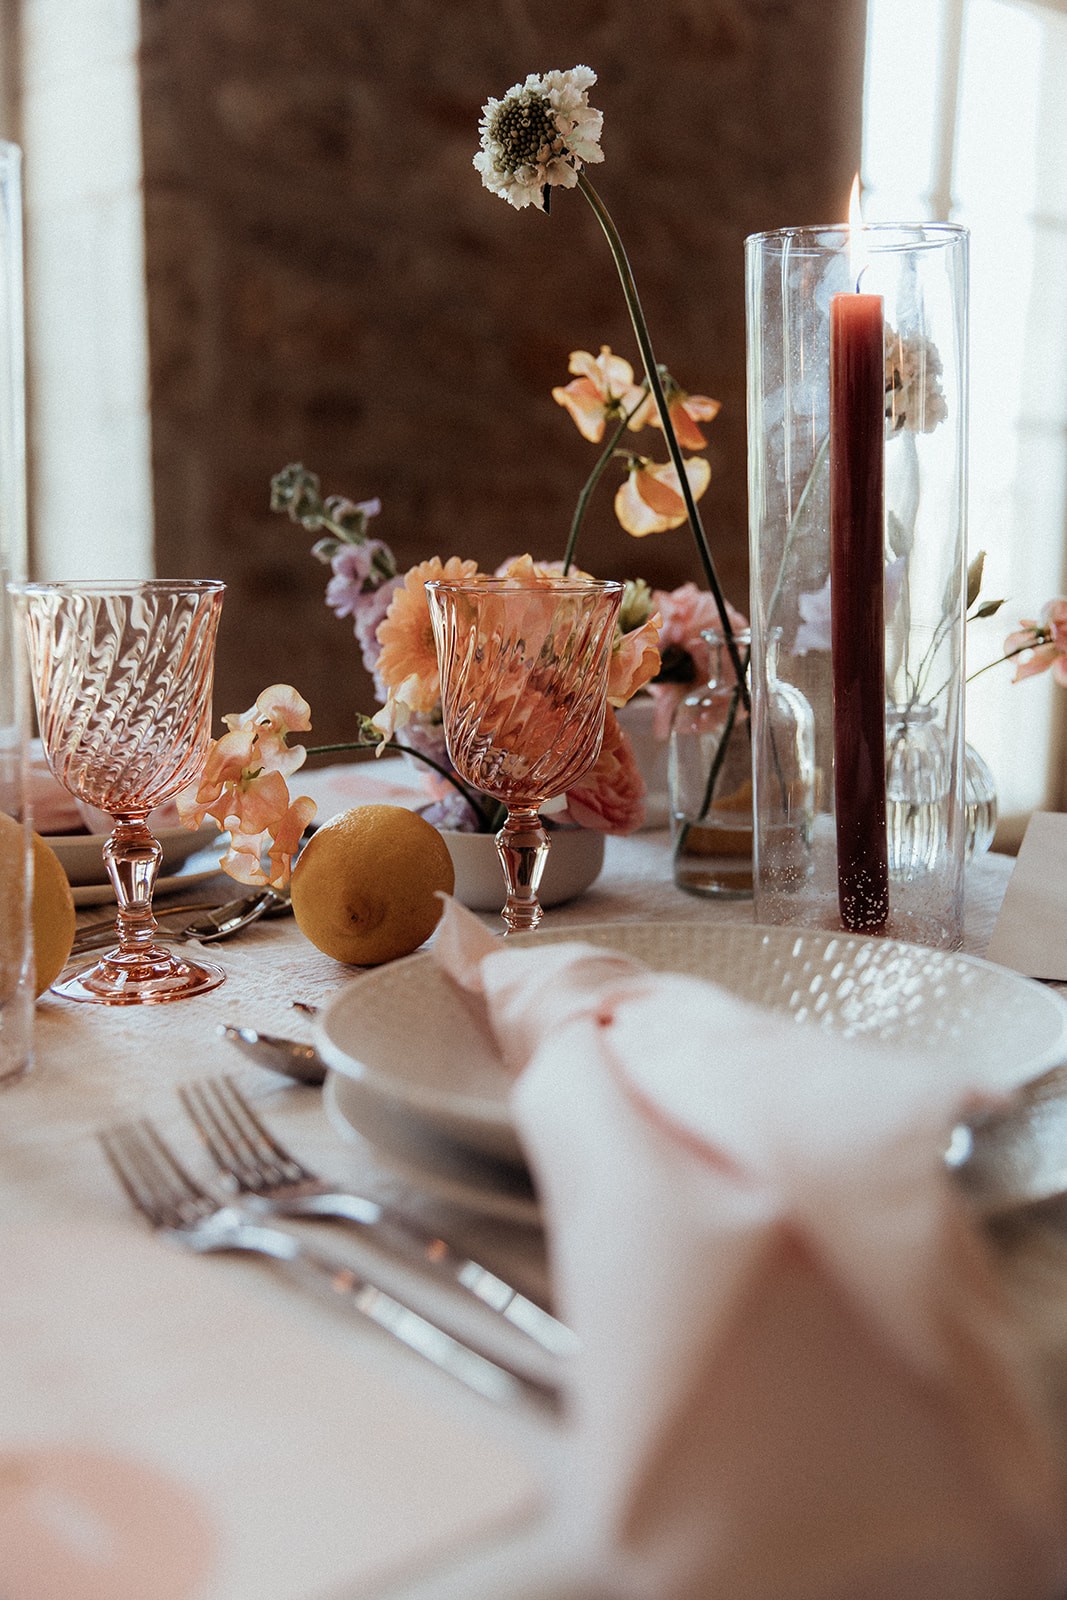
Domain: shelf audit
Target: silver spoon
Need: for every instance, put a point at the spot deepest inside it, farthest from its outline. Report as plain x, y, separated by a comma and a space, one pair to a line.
1015, 1153
209, 926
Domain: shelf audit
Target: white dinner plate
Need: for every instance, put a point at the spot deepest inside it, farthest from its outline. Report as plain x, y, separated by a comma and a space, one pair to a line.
422, 1047
412, 1150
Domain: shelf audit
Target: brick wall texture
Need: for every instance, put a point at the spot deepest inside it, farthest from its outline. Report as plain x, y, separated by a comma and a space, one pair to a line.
329, 282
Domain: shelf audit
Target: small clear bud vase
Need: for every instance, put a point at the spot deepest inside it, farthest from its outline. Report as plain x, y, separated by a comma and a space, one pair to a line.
710, 779
857, 427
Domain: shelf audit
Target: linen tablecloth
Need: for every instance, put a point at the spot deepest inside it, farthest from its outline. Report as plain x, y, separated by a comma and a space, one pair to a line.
97, 1066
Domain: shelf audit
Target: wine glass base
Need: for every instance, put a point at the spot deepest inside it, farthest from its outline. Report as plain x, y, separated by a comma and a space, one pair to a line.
154, 977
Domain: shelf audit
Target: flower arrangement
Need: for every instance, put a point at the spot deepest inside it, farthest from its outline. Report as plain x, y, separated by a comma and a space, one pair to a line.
542, 135
244, 783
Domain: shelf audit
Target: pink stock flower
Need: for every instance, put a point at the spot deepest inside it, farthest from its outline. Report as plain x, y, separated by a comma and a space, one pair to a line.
686, 612
610, 798
352, 566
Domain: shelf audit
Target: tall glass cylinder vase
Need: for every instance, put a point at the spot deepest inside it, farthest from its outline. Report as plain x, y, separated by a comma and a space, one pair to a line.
16, 873
857, 426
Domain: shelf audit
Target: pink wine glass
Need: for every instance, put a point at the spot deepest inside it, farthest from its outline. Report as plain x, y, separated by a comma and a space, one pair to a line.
524, 678
122, 678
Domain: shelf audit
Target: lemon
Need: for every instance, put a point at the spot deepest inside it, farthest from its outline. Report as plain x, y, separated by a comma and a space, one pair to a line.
364, 887
53, 903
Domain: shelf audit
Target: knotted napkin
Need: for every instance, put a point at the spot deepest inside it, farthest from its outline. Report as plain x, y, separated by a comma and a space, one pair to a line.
799, 1379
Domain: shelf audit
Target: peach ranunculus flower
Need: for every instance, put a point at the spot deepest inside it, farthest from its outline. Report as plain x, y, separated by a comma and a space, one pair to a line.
1046, 642
650, 500
243, 787
610, 798
603, 390
407, 664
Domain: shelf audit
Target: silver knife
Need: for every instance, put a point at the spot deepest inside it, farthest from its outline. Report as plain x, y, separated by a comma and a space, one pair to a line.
228, 1229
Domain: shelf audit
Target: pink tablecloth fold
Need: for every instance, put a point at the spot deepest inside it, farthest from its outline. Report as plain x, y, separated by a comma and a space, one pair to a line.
798, 1380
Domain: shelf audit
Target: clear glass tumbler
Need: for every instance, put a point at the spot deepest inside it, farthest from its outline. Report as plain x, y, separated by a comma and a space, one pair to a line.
16, 857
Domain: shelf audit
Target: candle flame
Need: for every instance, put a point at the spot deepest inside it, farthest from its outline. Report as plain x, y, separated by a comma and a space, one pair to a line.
857, 249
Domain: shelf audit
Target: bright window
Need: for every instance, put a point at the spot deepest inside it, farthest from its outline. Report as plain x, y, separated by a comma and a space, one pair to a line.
90, 478
965, 120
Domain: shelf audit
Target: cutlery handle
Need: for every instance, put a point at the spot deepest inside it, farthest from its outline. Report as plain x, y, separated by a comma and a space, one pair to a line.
324, 1274
427, 1248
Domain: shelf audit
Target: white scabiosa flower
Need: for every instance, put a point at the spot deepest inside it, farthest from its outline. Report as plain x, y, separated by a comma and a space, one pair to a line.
540, 135
914, 399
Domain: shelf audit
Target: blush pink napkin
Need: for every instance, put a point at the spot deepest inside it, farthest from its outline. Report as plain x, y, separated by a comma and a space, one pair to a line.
798, 1379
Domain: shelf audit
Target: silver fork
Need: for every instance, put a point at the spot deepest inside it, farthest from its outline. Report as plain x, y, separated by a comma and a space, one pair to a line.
275, 1184
182, 1211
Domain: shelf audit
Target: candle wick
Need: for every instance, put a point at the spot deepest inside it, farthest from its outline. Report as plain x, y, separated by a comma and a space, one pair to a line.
859, 277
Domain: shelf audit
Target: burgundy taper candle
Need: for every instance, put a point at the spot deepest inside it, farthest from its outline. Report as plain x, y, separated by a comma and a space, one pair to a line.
857, 606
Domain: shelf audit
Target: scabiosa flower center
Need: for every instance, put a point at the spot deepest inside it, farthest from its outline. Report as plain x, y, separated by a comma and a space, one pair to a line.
523, 129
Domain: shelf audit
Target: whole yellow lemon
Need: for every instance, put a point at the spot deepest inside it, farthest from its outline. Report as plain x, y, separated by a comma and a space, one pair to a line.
53, 904
364, 887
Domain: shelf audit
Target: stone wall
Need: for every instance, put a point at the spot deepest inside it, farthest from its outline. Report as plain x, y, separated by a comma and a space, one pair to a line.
329, 282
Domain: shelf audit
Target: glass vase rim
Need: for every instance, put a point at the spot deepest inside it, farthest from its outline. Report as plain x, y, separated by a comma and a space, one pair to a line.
546, 585
895, 237
121, 586
717, 636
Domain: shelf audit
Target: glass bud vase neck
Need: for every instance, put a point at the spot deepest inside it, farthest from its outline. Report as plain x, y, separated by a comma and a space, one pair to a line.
710, 781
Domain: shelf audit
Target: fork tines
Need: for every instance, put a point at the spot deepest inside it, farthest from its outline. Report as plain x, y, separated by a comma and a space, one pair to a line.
155, 1181
238, 1141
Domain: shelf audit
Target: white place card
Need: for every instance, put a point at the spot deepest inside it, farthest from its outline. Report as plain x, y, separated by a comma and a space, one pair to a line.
1030, 935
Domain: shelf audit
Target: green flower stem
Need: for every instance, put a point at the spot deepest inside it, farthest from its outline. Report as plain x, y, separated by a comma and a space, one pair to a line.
490, 821
794, 524
591, 483
652, 377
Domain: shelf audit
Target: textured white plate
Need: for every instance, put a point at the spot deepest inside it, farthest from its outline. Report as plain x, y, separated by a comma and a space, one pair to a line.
414, 1151
423, 1047
82, 854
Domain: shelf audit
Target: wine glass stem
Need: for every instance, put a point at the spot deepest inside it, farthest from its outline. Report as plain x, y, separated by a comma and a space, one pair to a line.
132, 857
522, 845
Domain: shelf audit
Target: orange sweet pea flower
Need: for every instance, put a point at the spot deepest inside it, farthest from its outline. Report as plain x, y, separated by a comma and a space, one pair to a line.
635, 660
650, 500
1046, 642
685, 411
243, 787
603, 389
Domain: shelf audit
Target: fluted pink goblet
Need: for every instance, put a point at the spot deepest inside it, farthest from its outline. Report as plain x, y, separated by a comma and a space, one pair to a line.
122, 678
524, 678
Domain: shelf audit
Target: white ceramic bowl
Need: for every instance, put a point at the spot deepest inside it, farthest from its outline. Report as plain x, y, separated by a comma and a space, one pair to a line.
574, 862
